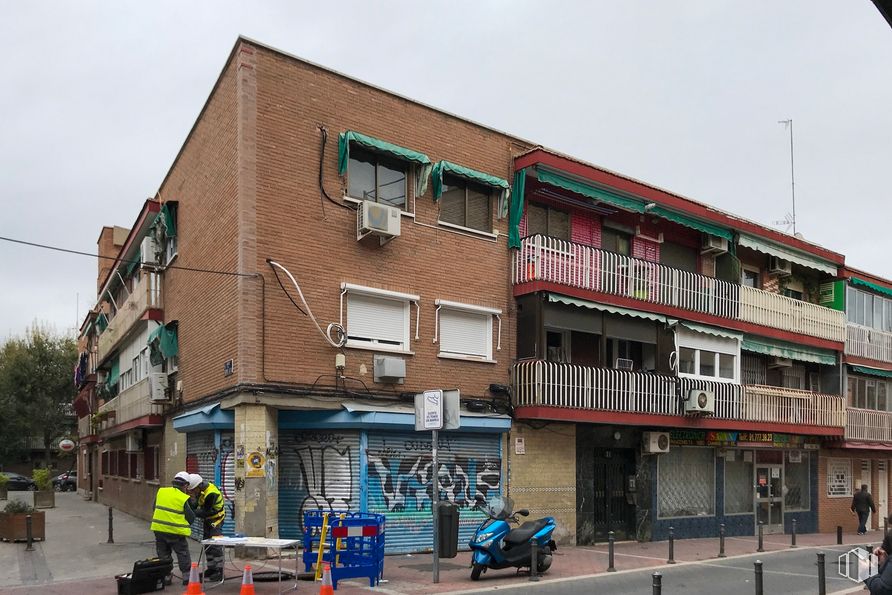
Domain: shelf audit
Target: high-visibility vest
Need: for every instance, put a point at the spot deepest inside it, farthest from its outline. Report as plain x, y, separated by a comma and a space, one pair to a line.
169, 516
218, 512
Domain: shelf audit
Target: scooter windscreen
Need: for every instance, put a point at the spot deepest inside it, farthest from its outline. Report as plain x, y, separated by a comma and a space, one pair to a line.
501, 507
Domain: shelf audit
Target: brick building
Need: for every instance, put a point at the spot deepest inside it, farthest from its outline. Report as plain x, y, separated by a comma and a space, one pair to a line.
321, 250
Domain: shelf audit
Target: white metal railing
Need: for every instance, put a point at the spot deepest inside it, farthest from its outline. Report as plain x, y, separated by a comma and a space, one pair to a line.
130, 404
146, 294
542, 258
539, 383
867, 424
870, 343
785, 313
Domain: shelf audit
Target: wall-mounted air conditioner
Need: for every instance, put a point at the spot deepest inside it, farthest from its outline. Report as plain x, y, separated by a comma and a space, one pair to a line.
148, 251
132, 442
713, 244
655, 442
700, 402
158, 387
780, 267
780, 362
376, 219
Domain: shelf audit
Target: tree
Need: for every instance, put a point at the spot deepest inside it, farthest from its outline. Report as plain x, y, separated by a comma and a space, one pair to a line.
36, 390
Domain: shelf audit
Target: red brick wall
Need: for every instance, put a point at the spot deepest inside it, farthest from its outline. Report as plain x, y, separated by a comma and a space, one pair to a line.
837, 511
107, 250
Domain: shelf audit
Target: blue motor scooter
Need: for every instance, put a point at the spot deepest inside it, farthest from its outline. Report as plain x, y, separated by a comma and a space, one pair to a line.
496, 545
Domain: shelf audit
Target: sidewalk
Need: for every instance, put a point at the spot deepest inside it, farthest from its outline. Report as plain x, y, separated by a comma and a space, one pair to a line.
76, 559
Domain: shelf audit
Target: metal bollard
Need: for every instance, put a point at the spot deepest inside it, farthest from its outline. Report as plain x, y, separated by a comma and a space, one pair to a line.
793, 535
671, 559
29, 533
722, 541
758, 568
822, 577
534, 562
760, 548
111, 529
839, 535
658, 583
885, 526
610, 540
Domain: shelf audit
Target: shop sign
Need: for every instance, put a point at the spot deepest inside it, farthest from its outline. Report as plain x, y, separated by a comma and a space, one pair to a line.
726, 439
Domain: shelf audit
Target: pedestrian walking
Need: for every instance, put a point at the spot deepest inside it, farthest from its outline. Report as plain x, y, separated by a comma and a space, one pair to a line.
210, 508
172, 523
862, 505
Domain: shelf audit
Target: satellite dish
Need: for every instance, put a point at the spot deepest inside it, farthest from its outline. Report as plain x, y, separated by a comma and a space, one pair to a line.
66, 445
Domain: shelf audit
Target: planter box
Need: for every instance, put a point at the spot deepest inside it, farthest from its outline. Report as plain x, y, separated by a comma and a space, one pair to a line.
45, 499
14, 527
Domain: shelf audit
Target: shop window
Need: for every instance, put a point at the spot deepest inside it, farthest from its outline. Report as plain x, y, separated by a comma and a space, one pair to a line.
796, 477
376, 178
466, 204
839, 478
738, 483
548, 221
686, 483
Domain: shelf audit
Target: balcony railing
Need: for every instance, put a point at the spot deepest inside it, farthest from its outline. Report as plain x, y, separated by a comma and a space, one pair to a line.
146, 294
545, 384
870, 343
130, 404
84, 426
868, 425
542, 258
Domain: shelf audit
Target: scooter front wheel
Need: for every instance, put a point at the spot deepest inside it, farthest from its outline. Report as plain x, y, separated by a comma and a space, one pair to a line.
476, 571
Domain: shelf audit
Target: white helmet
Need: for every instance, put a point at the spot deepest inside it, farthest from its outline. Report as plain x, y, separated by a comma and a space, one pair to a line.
182, 478
194, 480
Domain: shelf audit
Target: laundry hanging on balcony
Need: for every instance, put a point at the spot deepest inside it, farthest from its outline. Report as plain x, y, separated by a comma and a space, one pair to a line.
163, 343
345, 139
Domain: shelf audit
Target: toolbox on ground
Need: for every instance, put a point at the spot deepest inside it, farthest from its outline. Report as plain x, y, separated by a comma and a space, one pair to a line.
147, 576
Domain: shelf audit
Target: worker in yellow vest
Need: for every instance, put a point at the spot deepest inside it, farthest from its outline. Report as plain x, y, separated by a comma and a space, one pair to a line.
172, 523
210, 507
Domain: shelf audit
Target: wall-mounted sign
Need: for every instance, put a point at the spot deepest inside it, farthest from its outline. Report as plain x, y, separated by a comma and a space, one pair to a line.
519, 446
255, 465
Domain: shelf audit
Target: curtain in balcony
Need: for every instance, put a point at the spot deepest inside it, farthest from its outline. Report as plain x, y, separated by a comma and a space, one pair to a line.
788, 350
380, 146
114, 373
163, 343
872, 286
516, 214
772, 249
445, 167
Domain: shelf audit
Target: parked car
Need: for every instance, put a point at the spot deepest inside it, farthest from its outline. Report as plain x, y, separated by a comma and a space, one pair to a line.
19, 482
65, 482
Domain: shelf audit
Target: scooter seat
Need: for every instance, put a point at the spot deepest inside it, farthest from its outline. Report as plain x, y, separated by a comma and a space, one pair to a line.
525, 532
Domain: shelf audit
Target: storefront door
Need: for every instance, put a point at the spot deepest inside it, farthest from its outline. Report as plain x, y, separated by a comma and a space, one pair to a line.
770, 498
882, 500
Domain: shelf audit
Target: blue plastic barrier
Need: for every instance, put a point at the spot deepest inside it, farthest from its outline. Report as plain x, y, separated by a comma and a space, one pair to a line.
361, 539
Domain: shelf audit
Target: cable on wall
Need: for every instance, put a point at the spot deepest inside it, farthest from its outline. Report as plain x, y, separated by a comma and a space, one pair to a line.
340, 335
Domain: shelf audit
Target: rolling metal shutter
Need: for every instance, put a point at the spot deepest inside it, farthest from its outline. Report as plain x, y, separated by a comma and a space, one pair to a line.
399, 483
201, 458
227, 479
372, 318
318, 470
465, 333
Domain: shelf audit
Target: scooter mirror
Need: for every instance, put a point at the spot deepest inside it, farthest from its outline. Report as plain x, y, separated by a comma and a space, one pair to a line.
523, 512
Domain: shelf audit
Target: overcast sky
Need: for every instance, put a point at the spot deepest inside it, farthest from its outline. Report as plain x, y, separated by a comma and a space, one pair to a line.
97, 98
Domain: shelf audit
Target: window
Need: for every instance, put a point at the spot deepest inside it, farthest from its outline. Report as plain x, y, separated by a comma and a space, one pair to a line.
792, 293
465, 331
679, 257
466, 204
707, 362
104, 463
839, 478
868, 310
617, 241
557, 346
150, 463
703, 355
865, 393
686, 483
796, 481
548, 221
726, 366
749, 278
687, 360
378, 319
738, 483
376, 178
123, 463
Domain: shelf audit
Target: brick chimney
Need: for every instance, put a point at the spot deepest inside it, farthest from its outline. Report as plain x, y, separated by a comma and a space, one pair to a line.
111, 240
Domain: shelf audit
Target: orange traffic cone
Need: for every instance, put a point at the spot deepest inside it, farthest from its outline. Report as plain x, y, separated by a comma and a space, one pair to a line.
247, 582
326, 588
194, 586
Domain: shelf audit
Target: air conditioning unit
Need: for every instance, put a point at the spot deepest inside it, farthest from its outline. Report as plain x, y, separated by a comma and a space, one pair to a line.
131, 442
655, 442
700, 402
713, 244
376, 219
158, 387
780, 267
149, 251
780, 362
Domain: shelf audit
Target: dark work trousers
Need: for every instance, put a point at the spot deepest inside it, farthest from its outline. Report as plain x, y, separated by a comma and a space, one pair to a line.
167, 542
214, 553
862, 521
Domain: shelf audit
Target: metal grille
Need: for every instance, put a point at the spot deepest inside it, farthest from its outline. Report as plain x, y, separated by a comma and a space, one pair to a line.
839, 477
686, 482
201, 457
738, 485
227, 480
753, 369
796, 478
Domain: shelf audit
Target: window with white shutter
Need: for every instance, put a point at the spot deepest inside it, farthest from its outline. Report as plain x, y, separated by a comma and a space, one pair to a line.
465, 331
378, 319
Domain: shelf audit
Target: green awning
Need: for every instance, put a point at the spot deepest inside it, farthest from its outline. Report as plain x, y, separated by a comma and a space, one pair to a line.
872, 371
800, 353
871, 286
102, 322
516, 214
445, 167
806, 260
114, 373
629, 204
711, 330
133, 264
570, 301
163, 343
380, 146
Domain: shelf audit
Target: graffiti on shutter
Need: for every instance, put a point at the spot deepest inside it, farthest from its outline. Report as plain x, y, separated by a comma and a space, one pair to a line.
227, 480
201, 458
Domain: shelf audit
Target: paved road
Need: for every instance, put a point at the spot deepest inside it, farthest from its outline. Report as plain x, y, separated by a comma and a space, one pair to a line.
733, 576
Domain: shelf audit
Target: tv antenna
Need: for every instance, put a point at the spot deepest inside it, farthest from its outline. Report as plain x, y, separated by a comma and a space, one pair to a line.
790, 219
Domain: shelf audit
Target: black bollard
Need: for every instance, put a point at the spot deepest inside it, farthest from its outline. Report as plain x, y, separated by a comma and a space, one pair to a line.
658, 583
758, 568
885, 526
839, 535
760, 548
822, 577
111, 529
722, 541
534, 562
29, 533
610, 540
671, 559
793, 535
